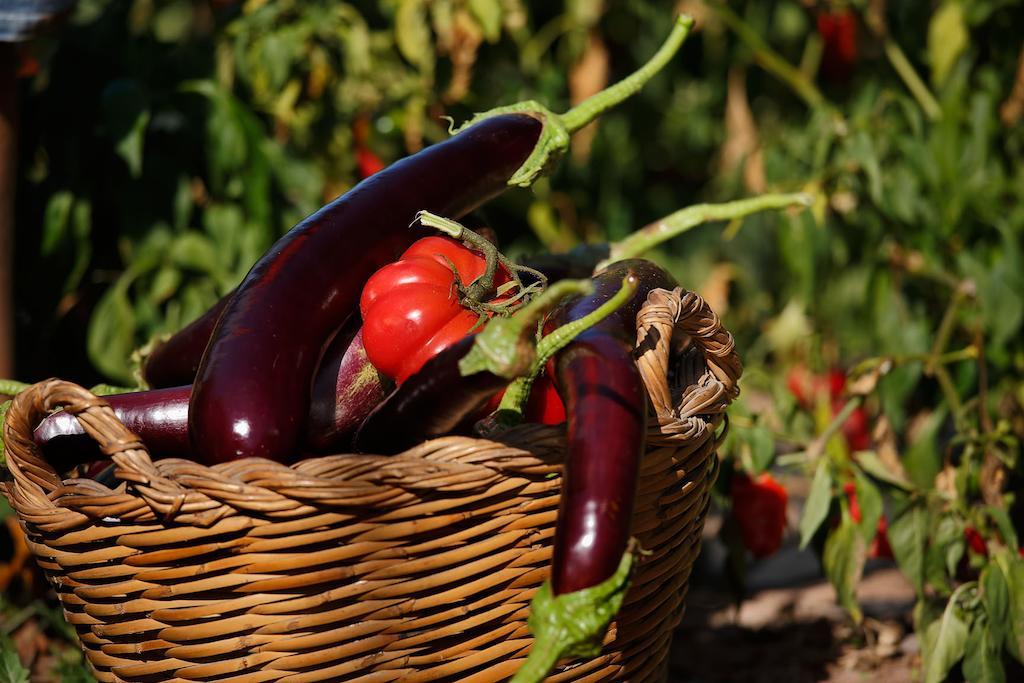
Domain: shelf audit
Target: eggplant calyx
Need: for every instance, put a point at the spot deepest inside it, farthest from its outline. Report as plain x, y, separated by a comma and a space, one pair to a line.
557, 128
572, 624
507, 346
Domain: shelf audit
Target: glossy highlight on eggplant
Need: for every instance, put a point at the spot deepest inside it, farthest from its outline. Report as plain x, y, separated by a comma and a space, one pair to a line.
346, 389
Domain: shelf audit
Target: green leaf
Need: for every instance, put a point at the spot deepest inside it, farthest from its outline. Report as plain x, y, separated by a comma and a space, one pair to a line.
870, 502
11, 668
165, 284
412, 34
923, 460
173, 21
947, 39
488, 13
873, 465
182, 203
110, 390
195, 251
762, 449
947, 638
907, 535
843, 561
126, 115
1012, 566
983, 661
818, 500
995, 596
1005, 525
111, 335
944, 551
55, 220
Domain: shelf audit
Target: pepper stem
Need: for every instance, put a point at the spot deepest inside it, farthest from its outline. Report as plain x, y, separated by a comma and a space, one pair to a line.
681, 221
595, 105
513, 403
12, 387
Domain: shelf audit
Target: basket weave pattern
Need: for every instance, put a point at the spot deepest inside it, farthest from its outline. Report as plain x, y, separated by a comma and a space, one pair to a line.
413, 567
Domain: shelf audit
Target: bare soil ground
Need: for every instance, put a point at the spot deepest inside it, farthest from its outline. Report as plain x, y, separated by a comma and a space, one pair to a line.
789, 628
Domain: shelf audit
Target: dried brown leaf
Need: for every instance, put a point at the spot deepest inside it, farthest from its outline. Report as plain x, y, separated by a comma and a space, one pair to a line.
742, 142
588, 76
1012, 109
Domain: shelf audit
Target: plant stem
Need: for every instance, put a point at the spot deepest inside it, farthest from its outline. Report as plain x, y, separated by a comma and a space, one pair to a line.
12, 387
910, 78
948, 358
818, 444
592, 107
681, 221
770, 60
504, 347
946, 325
513, 403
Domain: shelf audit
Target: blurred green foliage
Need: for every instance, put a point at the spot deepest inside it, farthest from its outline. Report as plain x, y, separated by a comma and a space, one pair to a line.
167, 143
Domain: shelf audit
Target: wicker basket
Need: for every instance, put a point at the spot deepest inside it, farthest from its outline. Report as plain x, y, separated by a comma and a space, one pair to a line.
413, 567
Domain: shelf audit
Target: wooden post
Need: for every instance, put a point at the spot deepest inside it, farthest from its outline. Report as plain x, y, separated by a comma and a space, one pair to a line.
8, 173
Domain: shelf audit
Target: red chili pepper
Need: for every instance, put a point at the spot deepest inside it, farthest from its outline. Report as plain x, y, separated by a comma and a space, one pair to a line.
851, 494
411, 309
880, 547
838, 30
809, 388
975, 542
855, 429
759, 507
368, 162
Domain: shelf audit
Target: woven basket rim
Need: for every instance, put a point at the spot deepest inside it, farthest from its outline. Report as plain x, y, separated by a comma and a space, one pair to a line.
179, 488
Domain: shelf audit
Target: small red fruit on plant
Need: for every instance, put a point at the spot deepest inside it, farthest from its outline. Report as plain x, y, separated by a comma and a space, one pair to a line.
838, 30
759, 507
880, 543
808, 388
975, 542
850, 489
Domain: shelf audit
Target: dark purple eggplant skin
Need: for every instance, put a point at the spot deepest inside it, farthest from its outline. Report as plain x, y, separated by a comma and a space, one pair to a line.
434, 401
346, 389
174, 362
159, 417
252, 390
606, 409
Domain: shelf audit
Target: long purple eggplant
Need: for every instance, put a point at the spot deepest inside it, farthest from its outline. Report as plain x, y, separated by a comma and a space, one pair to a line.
346, 389
175, 361
251, 394
433, 401
252, 390
606, 406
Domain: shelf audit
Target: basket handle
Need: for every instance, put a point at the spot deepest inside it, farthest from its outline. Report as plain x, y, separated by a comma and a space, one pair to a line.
687, 316
33, 474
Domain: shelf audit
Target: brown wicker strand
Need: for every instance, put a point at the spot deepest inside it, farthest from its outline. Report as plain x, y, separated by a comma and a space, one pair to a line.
415, 567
